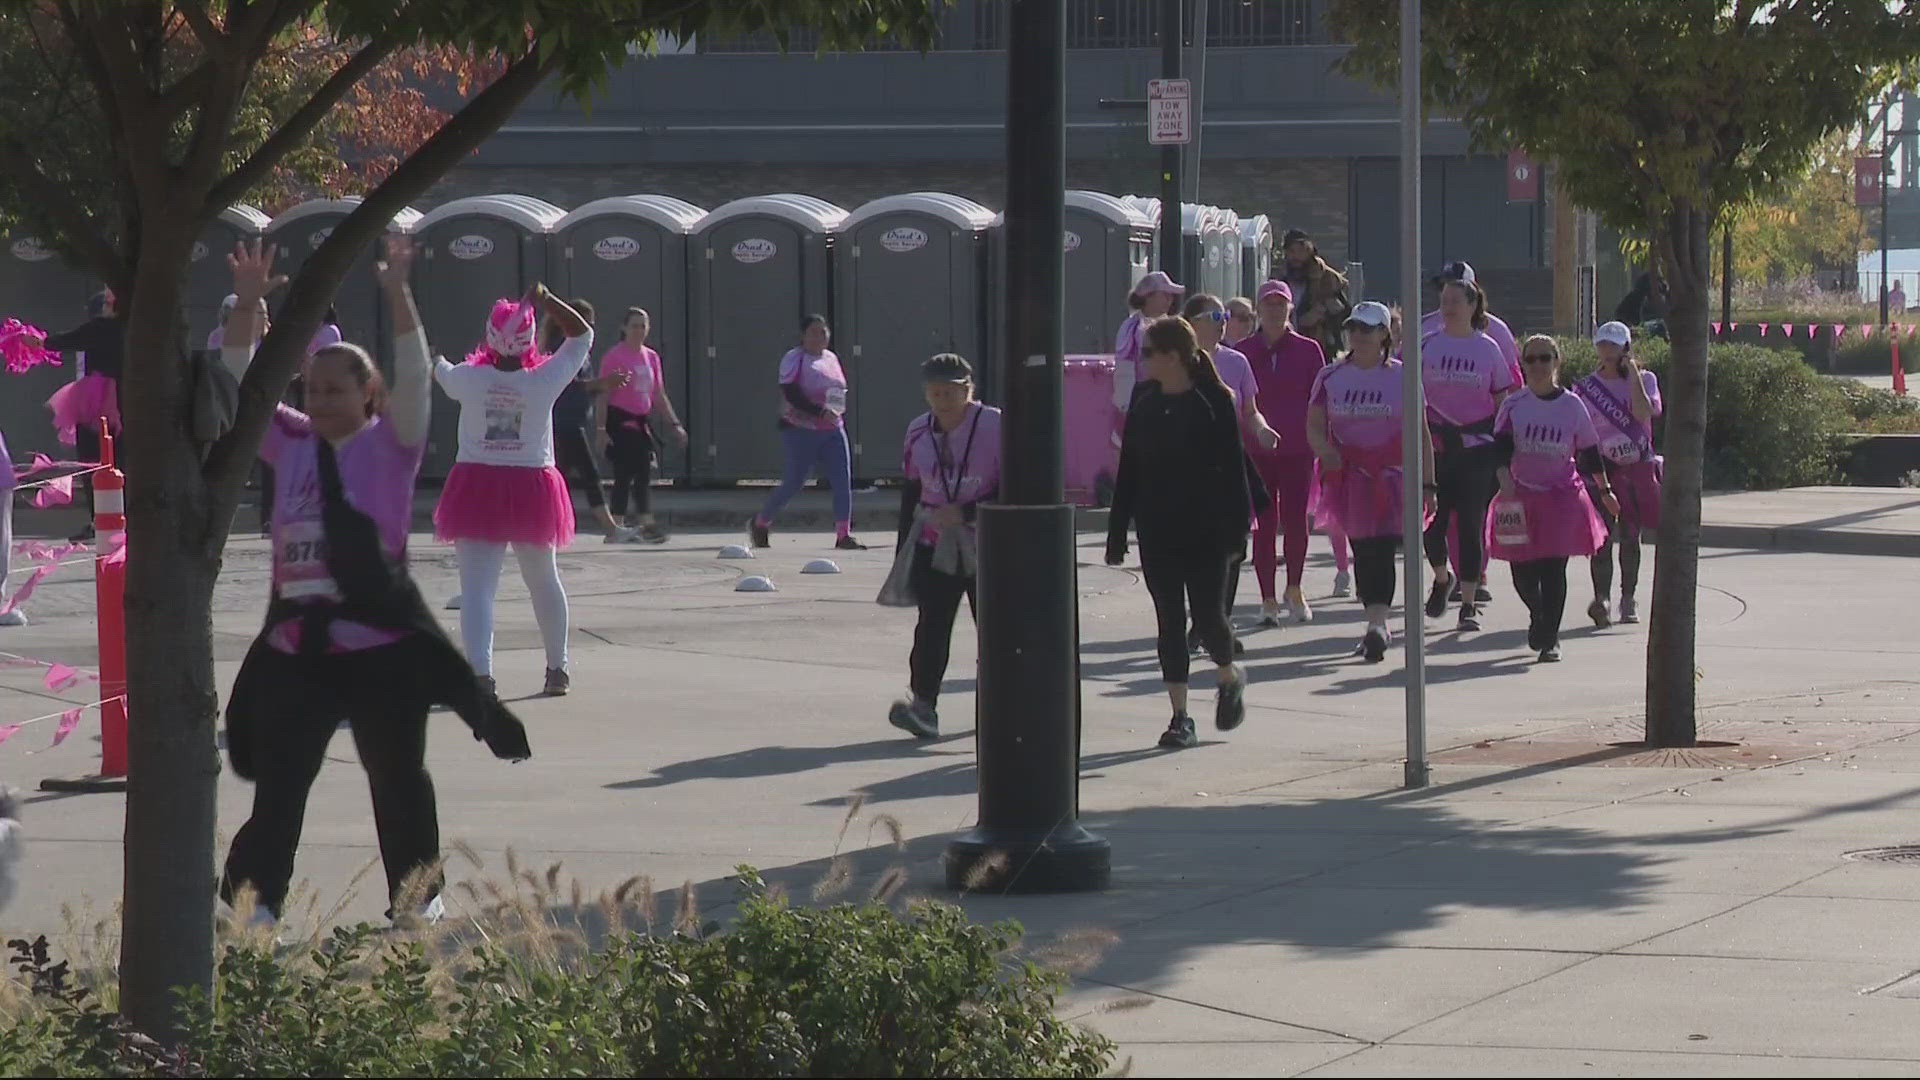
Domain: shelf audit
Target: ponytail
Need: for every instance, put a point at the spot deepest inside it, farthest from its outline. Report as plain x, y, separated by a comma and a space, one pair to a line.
1175, 335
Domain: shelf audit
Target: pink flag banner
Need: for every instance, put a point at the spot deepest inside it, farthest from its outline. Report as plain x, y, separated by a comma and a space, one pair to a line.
1716, 327
1787, 328
68, 721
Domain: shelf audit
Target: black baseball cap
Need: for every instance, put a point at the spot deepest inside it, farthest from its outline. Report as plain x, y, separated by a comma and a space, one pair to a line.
1293, 235
947, 367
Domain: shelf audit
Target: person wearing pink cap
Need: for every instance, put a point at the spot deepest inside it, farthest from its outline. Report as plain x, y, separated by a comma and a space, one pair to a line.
1285, 363
503, 491
1153, 297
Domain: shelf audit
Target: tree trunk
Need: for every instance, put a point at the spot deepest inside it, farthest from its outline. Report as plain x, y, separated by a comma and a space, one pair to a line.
1684, 254
172, 562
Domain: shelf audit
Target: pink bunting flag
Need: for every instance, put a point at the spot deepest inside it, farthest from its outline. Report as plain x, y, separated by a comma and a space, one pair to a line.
1787, 328
117, 550
1763, 329
1839, 330
68, 721
1733, 326
9, 732
58, 492
1716, 327
1866, 329
20, 595
61, 676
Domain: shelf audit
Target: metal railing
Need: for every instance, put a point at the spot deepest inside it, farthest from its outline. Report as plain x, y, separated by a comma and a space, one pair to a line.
981, 25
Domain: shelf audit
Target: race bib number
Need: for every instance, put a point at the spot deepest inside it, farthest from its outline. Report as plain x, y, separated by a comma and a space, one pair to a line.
1510, 522
1620, 450
837, 400
302, 555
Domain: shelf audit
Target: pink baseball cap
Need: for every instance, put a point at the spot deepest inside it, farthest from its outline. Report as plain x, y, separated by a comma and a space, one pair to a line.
1158, 281
1271, 287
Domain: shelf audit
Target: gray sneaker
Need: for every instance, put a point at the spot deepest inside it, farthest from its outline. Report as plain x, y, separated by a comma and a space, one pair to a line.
1342, 583
915, 717
1179, 734
558, 683
1629, 611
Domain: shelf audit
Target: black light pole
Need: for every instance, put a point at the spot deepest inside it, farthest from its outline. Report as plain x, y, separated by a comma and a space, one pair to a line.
1172, 235
1029, 837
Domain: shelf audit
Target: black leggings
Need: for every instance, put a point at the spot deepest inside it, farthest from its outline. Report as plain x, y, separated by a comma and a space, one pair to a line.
1374, 575
1178, 576
1602, 562
939, 595
631, 451
575, 458
1467, 480
1542, 584
376, 691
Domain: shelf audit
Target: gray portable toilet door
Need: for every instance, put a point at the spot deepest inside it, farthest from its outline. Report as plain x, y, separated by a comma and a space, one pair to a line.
468, 263
755, 299
901, 311
358, 298
1089, 322
616, 262
40, 289
210, 280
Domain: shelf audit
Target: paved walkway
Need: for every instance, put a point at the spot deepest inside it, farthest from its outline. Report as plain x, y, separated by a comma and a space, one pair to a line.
1553, 904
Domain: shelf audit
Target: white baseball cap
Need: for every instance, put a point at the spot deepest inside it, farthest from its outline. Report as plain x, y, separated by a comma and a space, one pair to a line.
1371, 313
1615, 332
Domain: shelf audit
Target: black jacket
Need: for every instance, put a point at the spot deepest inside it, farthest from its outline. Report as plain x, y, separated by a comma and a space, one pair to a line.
1185, 478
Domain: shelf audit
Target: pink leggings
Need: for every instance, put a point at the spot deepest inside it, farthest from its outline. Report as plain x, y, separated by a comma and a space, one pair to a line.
1289, 481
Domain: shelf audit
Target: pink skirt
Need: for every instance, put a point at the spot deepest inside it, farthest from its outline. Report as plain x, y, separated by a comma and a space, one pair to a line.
1361, 504
1637, 486
82, 403
505, 504
1559, 523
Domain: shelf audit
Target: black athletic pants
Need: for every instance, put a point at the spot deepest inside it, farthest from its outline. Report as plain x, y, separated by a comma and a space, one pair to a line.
939, 595
574, 456
1374, 575
631, 451
1182, 576
1542, 584
1467, 481
1601, 564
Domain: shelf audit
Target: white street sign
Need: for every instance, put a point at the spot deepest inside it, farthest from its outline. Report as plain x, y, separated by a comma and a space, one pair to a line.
1169, 111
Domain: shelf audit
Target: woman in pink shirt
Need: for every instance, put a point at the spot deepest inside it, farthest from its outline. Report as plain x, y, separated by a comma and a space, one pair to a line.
1465, 377
1623, 399
1544, 440
813, 432
1285, 363
626, 420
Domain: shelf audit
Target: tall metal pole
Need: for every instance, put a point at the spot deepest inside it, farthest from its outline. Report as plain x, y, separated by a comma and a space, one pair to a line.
1886, 166
1029, 837
1414, 423
1171, 234
1726, 281
1199, 97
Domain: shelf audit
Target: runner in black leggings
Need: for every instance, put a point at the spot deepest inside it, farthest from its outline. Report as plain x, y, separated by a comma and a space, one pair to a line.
572, 449
1183, 484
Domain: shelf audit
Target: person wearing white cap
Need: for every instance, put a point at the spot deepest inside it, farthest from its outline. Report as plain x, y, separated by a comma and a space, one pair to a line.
1354, 423
1153, 297
1623, 400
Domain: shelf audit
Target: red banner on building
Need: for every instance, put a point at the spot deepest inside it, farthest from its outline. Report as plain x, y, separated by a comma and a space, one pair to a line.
1866, 180
1523, 178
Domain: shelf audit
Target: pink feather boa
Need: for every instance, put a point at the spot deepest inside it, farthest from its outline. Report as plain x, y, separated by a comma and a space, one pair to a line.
24, 347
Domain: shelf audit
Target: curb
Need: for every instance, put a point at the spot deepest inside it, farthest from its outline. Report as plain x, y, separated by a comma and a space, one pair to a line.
1821, 541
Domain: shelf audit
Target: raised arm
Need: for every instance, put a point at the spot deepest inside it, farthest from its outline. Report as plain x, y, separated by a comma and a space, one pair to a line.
410, 404
253, 279
573, 353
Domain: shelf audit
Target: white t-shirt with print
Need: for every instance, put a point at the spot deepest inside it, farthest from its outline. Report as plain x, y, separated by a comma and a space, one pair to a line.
506, 417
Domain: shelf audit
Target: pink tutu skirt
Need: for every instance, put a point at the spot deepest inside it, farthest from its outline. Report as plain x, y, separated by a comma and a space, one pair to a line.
82, 403
505, 504
1558, 523
1637, 486
1361, 503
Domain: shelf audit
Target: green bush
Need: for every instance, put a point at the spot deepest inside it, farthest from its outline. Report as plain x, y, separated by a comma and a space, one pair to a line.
848, 990
1874, 355
1878, 412
1772, 422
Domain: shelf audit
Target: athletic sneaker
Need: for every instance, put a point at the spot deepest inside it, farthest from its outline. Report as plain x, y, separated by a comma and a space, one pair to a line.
848, 543
1629, 611
487, 686
1373, 647
1438, 599
1239, 647
558, 683
454, 604
620, 534
1550, 654
1230, 700
16, 617
1481, 595
1297, 607
1342, 583
1469, 617
653, 534
1453, 595
1179, 734
1270, 614
1597, 611
915, 717
759, 534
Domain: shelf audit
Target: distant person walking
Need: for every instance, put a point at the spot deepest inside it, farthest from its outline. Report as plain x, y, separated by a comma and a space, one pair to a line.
1320, 301
638, 391
1285, 363
1209, 321
1897, 298
813, 432
79, 406
1623, 399
572, 446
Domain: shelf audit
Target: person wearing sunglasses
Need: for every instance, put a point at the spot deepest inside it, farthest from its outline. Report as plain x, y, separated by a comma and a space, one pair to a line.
1353, 422
1465, 377
1623, 400
1545, 440
1210, 319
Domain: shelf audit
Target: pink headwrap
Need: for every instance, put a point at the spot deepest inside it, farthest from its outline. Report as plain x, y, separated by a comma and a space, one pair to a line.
511, 330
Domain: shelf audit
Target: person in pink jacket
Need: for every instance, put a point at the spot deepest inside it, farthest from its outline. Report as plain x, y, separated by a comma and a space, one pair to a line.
1285, 363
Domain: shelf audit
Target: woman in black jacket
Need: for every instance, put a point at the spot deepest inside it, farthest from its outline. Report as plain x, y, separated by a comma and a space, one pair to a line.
1182, 485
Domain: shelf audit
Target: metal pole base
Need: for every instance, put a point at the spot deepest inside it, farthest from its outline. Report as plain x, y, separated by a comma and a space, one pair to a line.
84, 784
997, 861
1417, 774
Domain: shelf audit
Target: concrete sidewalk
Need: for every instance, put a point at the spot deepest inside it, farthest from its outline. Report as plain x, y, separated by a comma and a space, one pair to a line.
1841, 520
1553, 904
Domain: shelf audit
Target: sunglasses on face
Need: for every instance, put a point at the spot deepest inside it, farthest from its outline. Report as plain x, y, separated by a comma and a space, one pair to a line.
1214, 316
1539, 358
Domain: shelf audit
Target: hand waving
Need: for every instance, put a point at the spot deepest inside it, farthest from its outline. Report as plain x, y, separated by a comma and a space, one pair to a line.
253, 276
396, 267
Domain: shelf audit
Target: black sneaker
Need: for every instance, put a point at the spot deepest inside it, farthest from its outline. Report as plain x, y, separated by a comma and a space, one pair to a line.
759, 535
1469, 617
1179, 734
1230, 701
1437, 599
653, 534
1597, 611
1629, 611
1194, 644
1373, 647
848, 543
1550, 654
917, 718
1481, 595
1239, 647
559, 683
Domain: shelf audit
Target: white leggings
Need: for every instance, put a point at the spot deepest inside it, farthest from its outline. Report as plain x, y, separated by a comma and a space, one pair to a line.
6, 537
480, 565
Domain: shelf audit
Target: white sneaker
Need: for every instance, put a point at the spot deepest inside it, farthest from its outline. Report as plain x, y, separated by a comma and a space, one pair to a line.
16, 617
622, 534
1342, 583
1297, 606
1270, 614
453, 604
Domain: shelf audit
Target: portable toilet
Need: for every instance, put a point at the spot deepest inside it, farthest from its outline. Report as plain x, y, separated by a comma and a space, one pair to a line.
1199, 262
910, 280
1225, 239
40, 289
1256, 253
631, 251
756, 267
1107, 246
209, 278
472, 252
300, 230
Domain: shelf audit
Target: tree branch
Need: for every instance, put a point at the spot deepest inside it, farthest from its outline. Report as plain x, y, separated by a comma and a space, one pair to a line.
194, 12
299, 127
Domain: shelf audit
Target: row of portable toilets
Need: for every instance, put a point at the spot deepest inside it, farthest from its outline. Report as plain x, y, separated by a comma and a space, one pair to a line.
900, 278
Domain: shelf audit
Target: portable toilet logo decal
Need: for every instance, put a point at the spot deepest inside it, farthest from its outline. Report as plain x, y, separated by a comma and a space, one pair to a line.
754, 250
470, 246
615, 248
1072, 240
319, 237
30, 249
903, 239
199, 250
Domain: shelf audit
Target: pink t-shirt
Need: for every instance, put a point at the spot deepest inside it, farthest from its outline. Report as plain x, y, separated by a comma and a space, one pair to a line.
1616, 445
1284, 371
1462, 377
822, 382
377, 475
1364, 405
961, 466
1497, 329
644, 365
1237, 372
1547, 433
1130, 344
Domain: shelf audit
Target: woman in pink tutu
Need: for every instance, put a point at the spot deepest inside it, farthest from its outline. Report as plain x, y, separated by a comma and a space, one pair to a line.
79, 406
503, 490
1623, 399
1354, 416
1544, 439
